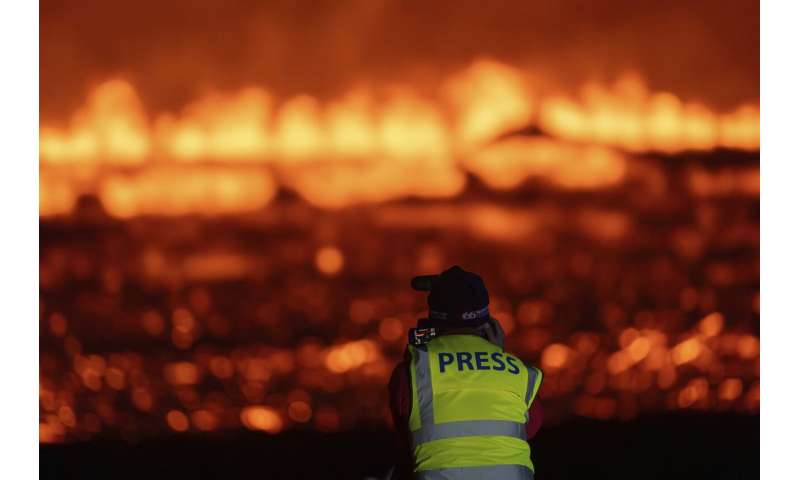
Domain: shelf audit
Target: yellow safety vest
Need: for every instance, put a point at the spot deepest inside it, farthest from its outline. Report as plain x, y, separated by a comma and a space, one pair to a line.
470, 402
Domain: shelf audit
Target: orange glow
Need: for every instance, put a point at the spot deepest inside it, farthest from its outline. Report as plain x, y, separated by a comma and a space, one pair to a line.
490, 98
728, 343
223, 152
171, 190
604, 225
595, 383
300, 411
639, 348
57, 195
215, 266
111, 126
656, 358
627, 336
361, 311
47, 399
600, 219
584, 342
667, 377
58, 324
92, 379
742, 128
619, 361
555, 356
218, 126
153, 323
177, 421
183, 330
753, 396
506, 321
534, 312
329, 260
298, 396
605, 407
204, 420
182, 339
182, 373
67, 416
255, 370
706, 183
507, 164
351, 355
142, 399
182, 320
494, 223
730, 389
310, 354
96, 363
261, 418
686, 351
748, 346
49, 433
391, 329
221, 367
351, 125
115, 378
72, 345
629, 116
697, 389
712, 324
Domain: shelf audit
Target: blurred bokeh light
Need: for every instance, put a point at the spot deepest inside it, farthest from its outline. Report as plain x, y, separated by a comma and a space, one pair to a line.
241, 261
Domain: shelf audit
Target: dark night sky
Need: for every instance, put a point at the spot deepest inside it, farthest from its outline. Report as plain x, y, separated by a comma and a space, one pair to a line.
175, 50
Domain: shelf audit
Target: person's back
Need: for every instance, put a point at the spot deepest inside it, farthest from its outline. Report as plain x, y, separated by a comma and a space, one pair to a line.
469, 409
470, 401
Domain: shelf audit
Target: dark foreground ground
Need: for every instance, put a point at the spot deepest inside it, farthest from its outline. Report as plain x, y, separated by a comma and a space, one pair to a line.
667, 446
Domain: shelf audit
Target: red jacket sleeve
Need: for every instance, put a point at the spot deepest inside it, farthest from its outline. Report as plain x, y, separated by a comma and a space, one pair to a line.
400, 406
400, 398
535, 418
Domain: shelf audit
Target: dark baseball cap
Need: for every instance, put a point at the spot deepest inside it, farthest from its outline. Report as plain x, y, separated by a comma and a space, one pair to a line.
456, 298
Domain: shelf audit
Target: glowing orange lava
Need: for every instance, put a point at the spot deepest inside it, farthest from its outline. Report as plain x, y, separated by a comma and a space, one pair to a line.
227, 153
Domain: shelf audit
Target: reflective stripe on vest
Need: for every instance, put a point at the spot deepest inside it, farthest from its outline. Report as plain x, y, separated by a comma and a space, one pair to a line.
533, 380
424, 428
468, 428
492, 472
424, 386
